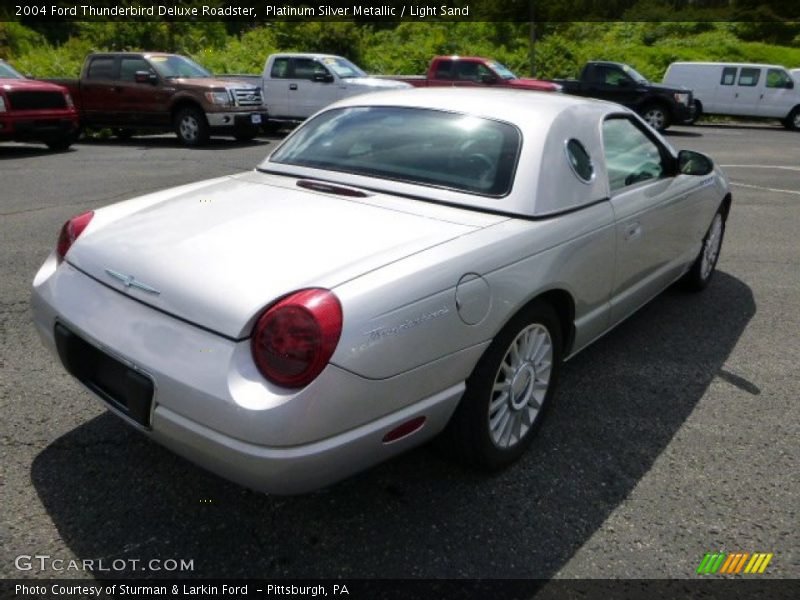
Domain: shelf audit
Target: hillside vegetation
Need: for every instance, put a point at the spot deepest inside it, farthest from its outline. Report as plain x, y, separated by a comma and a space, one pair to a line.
559, 49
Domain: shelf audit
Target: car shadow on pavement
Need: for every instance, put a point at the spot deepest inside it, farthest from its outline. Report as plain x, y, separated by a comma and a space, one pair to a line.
11, 152
170, 141
113, 494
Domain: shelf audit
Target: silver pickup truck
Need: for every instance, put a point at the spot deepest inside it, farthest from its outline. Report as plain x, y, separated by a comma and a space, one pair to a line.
298, 85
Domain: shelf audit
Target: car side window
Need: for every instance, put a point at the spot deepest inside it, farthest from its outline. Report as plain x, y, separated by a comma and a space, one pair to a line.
101, 68
612, 76
631, 155
444, 69
778, 78
748, 77
280, 68
728, 76
306, 68
129, 66
468, 71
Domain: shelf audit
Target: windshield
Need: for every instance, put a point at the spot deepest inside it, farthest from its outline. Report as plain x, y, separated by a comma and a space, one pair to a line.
177, 66
342, 67
414, 145
8, 72
503, 71
634, 74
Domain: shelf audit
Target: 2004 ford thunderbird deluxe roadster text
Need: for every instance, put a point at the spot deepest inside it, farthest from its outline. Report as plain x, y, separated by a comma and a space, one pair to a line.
403, 264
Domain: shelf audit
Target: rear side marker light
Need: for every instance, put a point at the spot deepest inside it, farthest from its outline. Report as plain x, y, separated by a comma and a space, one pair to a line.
405, 429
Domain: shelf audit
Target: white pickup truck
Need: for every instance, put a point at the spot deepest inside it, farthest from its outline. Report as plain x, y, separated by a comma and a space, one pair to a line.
298, 85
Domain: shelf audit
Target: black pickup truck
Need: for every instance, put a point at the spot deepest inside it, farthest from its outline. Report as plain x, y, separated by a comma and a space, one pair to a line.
659, 105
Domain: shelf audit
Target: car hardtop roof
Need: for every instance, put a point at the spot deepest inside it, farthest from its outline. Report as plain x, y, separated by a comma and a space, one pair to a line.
306, 55
728, 64
135, 53
493, 103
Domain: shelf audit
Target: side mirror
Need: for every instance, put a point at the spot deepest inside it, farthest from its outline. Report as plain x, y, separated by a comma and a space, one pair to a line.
694, 163
624, 83
488, 78
145, 77
323, 77
790, 85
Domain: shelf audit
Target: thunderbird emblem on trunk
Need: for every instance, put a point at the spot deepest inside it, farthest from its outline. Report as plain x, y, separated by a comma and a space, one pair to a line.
130, 281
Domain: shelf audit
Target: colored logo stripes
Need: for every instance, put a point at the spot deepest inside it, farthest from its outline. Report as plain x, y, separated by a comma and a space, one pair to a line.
734, 563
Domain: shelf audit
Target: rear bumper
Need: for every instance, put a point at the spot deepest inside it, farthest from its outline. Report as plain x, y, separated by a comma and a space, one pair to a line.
303, 468
212, 407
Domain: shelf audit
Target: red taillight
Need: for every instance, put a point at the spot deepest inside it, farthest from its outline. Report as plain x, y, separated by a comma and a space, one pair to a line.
295, 338
70, 232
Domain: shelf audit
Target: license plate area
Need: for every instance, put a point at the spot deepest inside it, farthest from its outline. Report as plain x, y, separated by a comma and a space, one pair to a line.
121, 386
255, 119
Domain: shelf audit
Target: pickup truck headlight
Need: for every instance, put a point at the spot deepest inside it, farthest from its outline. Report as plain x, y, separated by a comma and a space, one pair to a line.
222, 98
682, 98
2, 104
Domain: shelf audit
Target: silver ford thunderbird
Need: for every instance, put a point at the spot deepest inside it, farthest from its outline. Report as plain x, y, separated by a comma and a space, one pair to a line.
403, 265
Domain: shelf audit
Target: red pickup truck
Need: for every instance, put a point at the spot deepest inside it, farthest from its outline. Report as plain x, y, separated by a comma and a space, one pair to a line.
34, 111
155, 91
469, 71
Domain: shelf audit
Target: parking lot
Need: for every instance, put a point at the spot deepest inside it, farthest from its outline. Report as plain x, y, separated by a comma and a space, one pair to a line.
675, 435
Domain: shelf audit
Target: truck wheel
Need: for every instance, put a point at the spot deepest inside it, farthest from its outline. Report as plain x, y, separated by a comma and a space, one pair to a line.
698, 112
272, 127
792, 122
656, 116
245, 135
122, 133
60, 144
191, 126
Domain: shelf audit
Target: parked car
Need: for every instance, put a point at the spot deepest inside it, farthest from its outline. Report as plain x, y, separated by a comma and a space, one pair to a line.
740, 89
659, 105
153, 91
34, 111
470, 71
297, 85
403, 264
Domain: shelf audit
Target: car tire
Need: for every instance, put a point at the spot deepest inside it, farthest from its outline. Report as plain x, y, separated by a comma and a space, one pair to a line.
792, 121
191, 126
60, 144
702, 270
246, 135
656, 115
272, 127
122, 133
508, 391
698, 112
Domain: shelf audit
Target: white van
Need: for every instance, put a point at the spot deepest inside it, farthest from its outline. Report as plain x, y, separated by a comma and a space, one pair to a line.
740, 89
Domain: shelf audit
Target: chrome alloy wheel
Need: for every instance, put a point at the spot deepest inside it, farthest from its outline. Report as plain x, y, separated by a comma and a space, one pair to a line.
520, 386
796, 119
189, 128
655, 117
711, 247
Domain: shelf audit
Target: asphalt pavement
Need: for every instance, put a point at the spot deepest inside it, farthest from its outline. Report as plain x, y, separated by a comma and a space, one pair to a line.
673, 436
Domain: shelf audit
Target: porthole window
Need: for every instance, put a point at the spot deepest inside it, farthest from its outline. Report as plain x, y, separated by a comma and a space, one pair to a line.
579, 161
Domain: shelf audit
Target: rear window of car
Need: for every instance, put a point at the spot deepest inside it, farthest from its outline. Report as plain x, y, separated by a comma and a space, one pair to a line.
413, 145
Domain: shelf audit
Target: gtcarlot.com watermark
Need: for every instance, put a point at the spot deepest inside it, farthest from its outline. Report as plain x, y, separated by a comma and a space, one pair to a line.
47, 563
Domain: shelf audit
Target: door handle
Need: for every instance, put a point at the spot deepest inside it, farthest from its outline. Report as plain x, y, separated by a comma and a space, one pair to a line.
633, 231
292, 86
